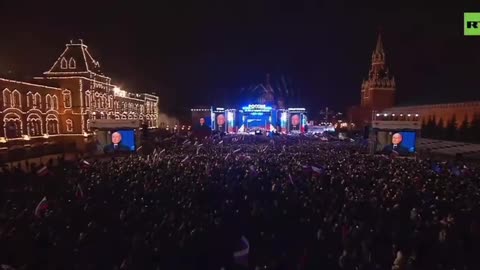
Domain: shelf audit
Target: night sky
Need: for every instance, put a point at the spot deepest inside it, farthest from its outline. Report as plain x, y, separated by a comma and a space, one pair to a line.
200, 53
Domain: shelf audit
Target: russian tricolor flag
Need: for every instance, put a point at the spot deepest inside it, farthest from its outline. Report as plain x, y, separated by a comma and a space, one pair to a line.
43, 171
42, 206
241, 255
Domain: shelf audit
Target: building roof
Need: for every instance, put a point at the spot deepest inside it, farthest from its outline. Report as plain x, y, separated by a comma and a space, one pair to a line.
75, 59
27, 84
439, 105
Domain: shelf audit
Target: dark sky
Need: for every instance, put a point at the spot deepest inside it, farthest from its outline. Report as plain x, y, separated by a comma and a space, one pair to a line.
197, 53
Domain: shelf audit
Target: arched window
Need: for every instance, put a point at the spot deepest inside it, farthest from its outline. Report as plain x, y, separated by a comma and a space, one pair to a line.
124, 116
52, 124
154, 121
98, 100
130, 116
7, 98
72, 64
16, 99
142, 108
147, 118
63, 63
34, 125
105, 100
67, 99
12, 125
29, 99
54, 102
110, 101
48, 102
103, 115
93, 101
117, 116
148, 107
37, 101
69, 125
87, 98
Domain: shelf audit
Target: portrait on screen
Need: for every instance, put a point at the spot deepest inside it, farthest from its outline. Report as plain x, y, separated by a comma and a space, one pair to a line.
121, 141
202, 128
295, 122
221, 122
401, 143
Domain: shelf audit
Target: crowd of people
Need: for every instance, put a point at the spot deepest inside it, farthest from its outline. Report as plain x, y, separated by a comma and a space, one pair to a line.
284, 202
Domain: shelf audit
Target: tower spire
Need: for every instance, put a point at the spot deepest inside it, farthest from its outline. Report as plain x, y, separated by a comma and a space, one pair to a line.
378, 91
379, 47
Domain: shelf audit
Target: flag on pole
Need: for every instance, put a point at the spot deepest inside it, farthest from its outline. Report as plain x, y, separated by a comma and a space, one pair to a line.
84, 163
317, 170
306, 168
185, 159
290, 178
42, 206
241, 255
199, 147
43, 171
79, 191
236, 151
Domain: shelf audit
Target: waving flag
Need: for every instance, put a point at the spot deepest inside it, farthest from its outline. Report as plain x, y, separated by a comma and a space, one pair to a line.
241, 255
43, 171
317, 170
79, 191
291, 179
236, 151
42, 206
185, 159
198, 148
85, 163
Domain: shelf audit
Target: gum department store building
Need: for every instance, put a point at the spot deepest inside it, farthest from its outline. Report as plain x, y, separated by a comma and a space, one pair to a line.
58, 109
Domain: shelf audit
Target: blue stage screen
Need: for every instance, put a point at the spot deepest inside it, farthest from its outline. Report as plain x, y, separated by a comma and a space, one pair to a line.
409, 140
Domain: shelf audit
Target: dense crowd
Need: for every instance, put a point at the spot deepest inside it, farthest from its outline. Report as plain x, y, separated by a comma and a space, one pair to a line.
299, 202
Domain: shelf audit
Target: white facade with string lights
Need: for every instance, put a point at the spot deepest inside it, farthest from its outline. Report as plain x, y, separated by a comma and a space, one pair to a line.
68, 96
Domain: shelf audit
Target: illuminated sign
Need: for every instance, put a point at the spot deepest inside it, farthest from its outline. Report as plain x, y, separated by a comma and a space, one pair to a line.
296, 109
257, 108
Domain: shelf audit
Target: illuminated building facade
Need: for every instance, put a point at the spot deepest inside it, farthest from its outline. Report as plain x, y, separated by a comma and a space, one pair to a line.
71, 93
